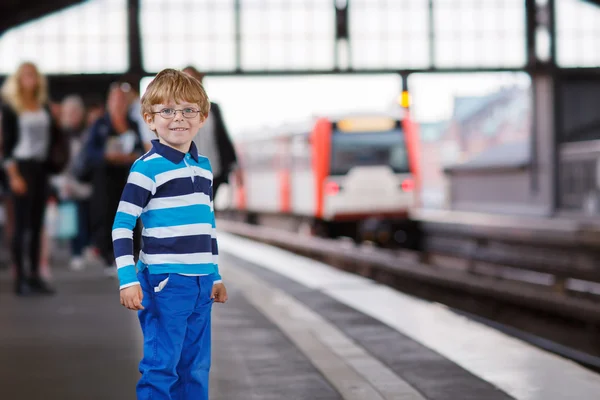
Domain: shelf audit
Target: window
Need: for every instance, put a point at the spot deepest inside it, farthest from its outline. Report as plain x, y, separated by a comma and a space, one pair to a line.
301, 151
177, 33
577, 33
476, 33
368, 149
389, 34
86, 38
287, 34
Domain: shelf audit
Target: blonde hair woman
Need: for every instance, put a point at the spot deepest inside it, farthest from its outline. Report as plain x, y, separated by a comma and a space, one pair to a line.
29, 133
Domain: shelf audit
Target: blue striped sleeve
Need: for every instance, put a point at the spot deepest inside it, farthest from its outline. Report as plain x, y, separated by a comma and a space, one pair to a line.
137, 193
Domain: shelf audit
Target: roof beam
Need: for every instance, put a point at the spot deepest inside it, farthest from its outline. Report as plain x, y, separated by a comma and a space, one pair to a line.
14, 13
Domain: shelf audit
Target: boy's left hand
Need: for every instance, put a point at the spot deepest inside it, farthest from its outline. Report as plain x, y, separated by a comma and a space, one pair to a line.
219, 293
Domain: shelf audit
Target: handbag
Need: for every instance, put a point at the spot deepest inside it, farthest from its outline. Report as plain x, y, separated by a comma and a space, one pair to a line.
62, 220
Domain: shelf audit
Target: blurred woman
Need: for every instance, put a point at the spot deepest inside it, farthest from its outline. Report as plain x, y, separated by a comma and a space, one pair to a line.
28, 130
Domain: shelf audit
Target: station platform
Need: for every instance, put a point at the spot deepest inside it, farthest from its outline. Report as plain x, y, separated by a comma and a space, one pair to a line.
293, 328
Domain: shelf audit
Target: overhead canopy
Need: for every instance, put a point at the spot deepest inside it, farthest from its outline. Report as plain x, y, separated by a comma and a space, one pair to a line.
17, 12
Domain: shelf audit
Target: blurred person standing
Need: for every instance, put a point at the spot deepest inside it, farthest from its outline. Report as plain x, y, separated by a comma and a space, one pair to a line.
113, 144
6, 200
29, 134
73, 122
95, 110
129, 85
213, 141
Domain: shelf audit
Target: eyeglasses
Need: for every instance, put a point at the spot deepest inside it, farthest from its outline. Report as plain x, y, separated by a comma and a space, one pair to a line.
169, 113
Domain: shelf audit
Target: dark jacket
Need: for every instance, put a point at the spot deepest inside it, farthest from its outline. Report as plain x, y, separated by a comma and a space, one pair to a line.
107, 180
10, 138
98, 135
225, 146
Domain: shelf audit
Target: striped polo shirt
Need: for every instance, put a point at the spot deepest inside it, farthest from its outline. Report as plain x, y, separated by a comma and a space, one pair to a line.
171, 192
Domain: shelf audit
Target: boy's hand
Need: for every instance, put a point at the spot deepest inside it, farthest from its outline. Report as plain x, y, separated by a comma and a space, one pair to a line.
131, 297
219, 293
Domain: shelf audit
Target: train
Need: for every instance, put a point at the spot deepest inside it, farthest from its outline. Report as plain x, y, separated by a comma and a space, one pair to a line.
352, 175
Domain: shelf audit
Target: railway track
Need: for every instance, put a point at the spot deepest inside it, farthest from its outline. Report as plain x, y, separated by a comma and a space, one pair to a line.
521, 302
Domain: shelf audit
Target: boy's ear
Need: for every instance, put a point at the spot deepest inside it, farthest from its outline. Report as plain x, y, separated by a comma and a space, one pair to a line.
149, 118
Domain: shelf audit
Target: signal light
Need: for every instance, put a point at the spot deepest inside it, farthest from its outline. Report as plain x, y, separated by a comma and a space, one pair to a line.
404, 99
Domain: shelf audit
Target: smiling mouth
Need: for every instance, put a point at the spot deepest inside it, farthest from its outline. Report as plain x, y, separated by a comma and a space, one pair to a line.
179, 129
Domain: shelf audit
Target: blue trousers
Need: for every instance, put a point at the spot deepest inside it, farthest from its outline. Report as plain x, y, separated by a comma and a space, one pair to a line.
176, 326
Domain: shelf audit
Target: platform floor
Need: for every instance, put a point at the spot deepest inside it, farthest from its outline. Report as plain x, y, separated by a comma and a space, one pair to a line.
292, 329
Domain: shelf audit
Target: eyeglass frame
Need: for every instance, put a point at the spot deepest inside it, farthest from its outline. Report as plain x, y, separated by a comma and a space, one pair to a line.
175, 113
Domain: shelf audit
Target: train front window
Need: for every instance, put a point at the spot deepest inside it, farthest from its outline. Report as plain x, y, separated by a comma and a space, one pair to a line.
368, 149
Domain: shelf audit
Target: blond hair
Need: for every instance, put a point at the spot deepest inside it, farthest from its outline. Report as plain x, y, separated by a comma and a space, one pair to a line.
170, 84
12, 92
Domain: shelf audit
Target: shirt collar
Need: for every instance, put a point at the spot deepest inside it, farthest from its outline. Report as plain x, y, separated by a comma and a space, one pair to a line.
175, 156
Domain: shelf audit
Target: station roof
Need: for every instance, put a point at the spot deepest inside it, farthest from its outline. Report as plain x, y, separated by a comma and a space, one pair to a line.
17, 12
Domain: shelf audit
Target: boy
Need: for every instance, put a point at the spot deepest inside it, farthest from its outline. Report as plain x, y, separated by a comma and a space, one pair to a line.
177, 278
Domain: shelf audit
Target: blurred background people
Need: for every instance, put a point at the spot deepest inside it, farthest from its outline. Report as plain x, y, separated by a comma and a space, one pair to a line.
69, 188
6, 200
95, 110
213, 141
28, 130
129, 84
113, 144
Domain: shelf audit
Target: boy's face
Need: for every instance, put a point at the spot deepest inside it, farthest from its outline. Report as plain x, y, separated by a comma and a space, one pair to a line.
175, 123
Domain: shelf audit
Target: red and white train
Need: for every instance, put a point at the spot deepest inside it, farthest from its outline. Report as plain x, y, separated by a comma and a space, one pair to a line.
350, 175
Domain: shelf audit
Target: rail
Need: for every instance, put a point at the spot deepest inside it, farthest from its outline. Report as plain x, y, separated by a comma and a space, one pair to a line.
402, 269
566, 250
